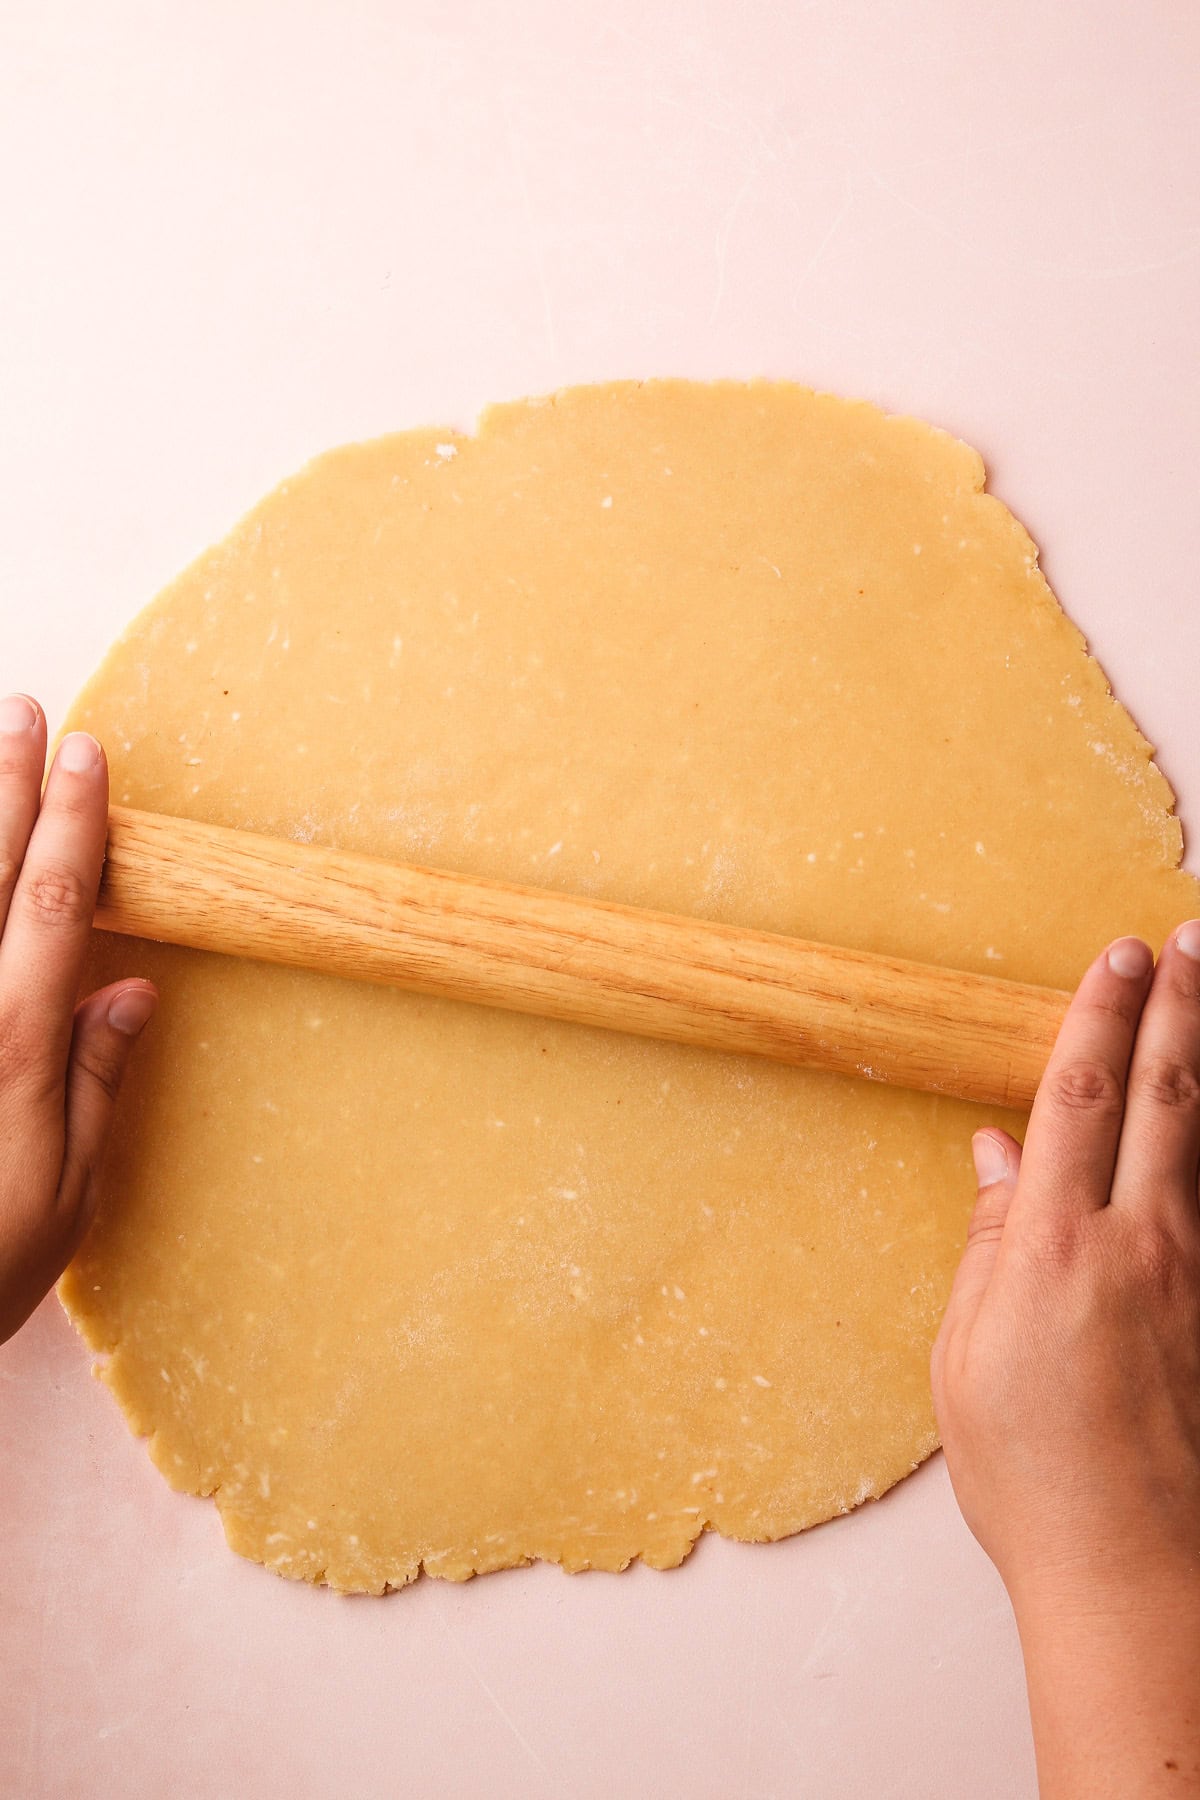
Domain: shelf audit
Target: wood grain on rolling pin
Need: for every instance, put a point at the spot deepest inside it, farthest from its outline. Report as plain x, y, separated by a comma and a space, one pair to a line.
593, 962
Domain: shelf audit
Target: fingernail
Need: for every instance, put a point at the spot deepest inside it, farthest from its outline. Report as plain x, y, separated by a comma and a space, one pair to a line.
1130, 957
991, 1163
78, 753
1188, 938
129, 1010
17, 714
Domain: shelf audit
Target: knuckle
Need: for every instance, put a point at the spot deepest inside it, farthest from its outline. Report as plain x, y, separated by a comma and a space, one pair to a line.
985, 1231
10, 868
103, 1069
988, 1216
1167, 1081
1052, 1243
16, 1042
16, 764
74, 810
1087, 1085
59, 897
1112, 1003
1185, 981
1157, 1265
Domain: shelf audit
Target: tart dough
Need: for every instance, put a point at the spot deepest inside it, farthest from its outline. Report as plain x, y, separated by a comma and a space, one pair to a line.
406, 1284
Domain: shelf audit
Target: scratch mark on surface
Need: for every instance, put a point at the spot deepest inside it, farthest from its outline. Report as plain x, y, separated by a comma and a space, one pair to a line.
1073, 269
722, 243
828, 235
494, 1701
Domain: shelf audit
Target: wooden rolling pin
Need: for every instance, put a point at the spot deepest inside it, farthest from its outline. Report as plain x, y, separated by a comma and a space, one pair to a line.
564, 957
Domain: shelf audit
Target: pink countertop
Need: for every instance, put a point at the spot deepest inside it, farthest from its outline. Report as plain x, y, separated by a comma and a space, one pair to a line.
237, 234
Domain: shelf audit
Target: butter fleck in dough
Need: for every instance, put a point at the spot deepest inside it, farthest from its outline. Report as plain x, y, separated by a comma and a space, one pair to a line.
408, 1284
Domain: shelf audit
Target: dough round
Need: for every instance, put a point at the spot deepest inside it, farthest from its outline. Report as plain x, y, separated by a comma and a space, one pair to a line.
409, 1284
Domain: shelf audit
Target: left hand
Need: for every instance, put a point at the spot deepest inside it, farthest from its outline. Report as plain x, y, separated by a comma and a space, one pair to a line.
61, 1063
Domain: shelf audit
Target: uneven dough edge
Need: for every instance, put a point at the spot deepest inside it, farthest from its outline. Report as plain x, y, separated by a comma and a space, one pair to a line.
1159, 797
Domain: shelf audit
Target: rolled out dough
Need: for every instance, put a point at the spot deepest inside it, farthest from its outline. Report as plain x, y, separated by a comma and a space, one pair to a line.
407, 1284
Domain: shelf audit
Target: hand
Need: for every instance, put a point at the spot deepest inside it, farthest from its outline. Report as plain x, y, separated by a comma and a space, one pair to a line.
1066, 1379
60, 1064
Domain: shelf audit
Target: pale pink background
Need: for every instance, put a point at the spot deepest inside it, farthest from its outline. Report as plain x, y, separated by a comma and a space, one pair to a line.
236, 233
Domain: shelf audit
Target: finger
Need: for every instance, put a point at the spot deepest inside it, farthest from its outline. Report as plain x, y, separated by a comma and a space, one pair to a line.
22, 760
50, 917
1075, 1127
38, 1245
997, 1165
1158, 1163
106, 1027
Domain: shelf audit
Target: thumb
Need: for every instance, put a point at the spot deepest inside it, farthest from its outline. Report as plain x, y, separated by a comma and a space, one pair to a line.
997, 1165
106, 1026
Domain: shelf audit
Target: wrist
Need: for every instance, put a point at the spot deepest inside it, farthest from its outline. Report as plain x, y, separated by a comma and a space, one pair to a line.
1115, 1592
1112, 1664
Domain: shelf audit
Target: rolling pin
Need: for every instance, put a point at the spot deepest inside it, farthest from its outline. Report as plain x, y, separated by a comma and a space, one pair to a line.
562, 956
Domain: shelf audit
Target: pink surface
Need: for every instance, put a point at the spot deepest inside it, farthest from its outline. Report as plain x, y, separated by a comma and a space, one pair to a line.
237, 234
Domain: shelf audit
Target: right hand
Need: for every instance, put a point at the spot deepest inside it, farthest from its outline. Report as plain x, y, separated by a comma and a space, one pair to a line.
1066, 1379
1067, 1371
